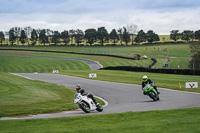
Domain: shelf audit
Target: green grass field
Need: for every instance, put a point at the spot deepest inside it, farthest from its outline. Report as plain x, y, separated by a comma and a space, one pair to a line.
22, 64
10, 59
179, 54
20, 96
31, 64
176, 50
167, 121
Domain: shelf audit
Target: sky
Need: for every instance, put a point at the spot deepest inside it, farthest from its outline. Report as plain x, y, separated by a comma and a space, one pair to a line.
161, 16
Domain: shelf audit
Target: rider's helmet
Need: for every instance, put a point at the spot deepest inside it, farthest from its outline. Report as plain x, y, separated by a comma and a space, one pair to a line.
145, 78
78, 87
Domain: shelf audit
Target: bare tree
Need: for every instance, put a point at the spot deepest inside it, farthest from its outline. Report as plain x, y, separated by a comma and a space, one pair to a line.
120, 32
132, 29
28, 30
71, 34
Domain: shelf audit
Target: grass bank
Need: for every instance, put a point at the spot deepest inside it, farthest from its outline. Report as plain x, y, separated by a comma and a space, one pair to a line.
23, 64
179, 54
20, 96
41, 60
175, 50
167, 121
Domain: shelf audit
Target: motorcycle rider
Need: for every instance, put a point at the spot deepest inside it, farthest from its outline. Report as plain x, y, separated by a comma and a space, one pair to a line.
146, 81
84, 93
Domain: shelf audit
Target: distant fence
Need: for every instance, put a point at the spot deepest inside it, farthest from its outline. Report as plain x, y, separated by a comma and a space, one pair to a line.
143, 69
117, 56
95, 45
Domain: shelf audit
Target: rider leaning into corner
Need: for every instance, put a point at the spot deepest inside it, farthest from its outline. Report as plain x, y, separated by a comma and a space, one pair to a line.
146, 81
84, 93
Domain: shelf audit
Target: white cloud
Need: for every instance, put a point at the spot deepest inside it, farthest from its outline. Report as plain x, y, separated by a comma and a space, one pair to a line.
159, 16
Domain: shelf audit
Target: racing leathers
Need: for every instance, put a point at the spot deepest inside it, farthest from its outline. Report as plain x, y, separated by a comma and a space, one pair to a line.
151, 83
84, 93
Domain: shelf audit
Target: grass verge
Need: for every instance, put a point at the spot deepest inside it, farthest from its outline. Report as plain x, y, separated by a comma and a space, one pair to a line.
167, 121
20, 96
170, 81
22, 64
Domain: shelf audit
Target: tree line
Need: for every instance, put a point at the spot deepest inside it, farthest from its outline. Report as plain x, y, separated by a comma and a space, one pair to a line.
90, 36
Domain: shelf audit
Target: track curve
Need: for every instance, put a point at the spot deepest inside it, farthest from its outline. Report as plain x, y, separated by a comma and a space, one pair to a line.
121, 97
94, 65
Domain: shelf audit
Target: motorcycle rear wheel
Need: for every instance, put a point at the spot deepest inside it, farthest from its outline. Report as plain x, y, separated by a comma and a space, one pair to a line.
158, 98
99, 108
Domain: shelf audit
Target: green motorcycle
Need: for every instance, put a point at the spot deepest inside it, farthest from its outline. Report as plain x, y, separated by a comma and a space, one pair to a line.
151, 92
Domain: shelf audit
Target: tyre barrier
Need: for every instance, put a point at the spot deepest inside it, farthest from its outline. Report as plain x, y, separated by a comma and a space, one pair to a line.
143, 69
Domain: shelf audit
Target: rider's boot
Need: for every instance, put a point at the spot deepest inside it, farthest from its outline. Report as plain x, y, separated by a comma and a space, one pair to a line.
156, 89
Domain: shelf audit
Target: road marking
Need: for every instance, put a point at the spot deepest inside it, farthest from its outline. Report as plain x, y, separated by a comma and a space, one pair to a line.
22, 76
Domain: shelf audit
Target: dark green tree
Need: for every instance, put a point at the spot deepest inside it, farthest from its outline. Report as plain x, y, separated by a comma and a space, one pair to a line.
187, 35
114, 36
175, 35
151, 36
156, 37
12, 37
2, 37
78, 36
17, 31
91, 35
141, 37
43, 37
194, 63
197, 34
102, 35
34, 37
56, 37
65, 36
126, 36
22, 37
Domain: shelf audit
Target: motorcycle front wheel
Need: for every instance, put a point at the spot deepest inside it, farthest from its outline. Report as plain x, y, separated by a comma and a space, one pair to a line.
153, 96
85, 107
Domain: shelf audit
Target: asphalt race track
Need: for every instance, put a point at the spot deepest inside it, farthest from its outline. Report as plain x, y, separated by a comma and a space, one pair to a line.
121, 97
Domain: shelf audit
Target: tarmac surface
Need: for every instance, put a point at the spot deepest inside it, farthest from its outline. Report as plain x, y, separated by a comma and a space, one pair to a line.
120, 97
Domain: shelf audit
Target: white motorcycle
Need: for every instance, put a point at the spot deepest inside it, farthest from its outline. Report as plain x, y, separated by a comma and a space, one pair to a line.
86, 104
